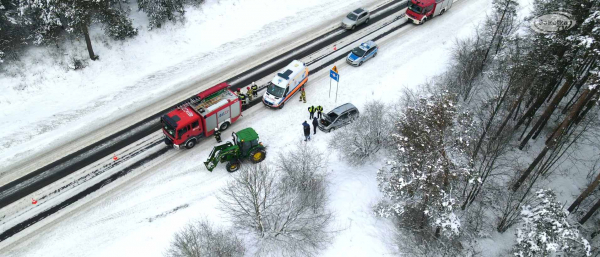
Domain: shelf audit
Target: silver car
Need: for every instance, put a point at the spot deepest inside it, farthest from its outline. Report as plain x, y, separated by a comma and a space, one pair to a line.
355, 18
338, 117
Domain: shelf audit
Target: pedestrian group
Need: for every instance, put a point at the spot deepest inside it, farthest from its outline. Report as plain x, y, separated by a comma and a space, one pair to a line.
252, 92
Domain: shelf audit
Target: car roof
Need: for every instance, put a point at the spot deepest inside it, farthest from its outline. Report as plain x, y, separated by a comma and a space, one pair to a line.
367, 45
359, 11
342, 108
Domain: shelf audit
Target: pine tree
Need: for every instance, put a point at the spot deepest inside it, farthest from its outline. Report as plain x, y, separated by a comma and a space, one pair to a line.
75, 16
432, 140
159, 11
547, 228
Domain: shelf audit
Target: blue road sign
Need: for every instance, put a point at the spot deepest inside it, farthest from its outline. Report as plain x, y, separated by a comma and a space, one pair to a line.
334, 75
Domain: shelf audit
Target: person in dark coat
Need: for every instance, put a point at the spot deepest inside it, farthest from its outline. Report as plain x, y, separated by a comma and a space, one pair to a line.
306, 131
319, 111
218, 135
254, 90
315, 124
312, 110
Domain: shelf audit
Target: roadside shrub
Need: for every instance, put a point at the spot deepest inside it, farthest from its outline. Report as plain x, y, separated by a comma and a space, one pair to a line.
361, 139
201, 238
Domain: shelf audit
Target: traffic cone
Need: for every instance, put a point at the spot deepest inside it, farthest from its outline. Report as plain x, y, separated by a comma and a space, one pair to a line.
334, 47
33, 201
115, 157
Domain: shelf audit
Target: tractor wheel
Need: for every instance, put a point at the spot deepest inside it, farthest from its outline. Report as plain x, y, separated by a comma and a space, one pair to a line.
190, 144
224, 126
258, 155
233, 166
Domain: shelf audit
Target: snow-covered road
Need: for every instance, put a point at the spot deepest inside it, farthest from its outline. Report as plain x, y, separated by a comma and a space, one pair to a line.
146, 74
138, 214
73, 187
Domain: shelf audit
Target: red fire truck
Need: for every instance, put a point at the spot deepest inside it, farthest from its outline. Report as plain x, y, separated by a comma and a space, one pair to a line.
216, 107
419, 11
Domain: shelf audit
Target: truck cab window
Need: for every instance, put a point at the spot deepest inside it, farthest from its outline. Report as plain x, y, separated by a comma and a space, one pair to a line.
195, 124
181, 132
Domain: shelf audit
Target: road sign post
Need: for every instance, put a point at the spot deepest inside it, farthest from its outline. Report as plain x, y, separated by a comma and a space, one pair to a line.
334, 74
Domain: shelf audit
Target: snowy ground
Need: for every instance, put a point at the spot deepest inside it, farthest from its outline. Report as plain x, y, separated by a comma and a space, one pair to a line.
139, 217
46, 105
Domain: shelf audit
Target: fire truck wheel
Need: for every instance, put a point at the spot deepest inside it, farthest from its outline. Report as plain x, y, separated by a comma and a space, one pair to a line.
258, 155
423, 20
224, 126
233, 166
190, 144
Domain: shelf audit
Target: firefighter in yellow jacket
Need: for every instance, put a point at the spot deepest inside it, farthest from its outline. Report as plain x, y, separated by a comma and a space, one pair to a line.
303, 95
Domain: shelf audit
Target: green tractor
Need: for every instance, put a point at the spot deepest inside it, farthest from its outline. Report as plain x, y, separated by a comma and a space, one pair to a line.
245, 146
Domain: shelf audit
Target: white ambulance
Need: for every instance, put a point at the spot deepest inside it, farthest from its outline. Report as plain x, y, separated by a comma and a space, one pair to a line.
285, 84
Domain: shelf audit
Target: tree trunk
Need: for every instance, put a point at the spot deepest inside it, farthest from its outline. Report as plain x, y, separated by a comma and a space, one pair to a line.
539, 125
573, 113
590, 212
591, 103
513, 108
88, 42
533, 108
585, 193
494, 112
530, 169
558, 133
495, 33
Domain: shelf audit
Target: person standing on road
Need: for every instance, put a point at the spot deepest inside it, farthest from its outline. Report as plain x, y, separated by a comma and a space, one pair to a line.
319, 111
218, 135
242, 97
302, 95
254, 89
311, 110
306, 131
315, 124
249, 94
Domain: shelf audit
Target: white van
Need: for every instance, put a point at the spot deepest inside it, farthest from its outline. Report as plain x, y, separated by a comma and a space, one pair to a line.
285, 84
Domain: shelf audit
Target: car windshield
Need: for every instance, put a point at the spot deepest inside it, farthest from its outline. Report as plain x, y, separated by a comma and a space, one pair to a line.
352, 16
358, 52
415, 8
169, 129
332, 116
275, 90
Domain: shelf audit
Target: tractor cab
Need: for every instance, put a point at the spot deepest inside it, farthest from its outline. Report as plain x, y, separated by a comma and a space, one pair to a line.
245, 139
245, 146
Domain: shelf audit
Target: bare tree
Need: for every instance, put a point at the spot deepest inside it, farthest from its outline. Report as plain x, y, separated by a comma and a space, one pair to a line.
282, 216
202, 239
365, 136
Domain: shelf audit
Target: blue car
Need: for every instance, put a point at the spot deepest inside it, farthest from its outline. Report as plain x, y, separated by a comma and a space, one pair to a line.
362, 53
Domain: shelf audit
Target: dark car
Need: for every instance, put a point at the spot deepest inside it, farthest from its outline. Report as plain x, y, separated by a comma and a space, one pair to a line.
338, 117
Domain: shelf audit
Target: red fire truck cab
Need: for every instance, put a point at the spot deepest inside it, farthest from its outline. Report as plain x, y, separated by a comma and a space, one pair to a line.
216, 107
419, 11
